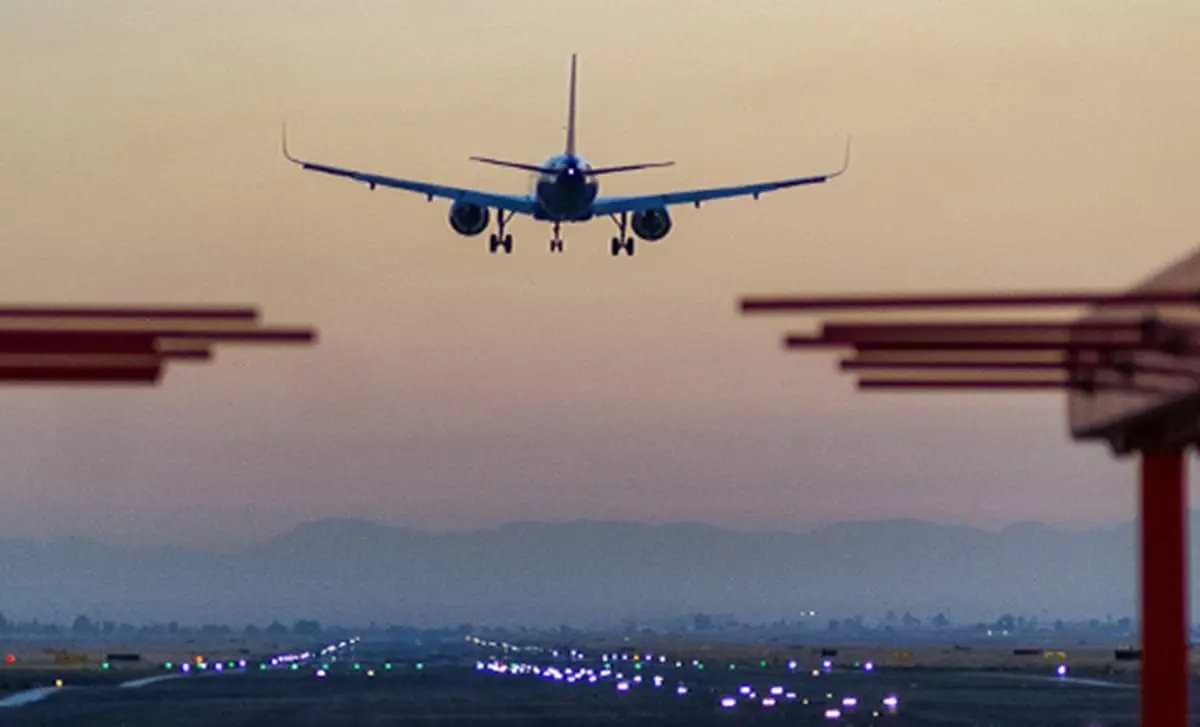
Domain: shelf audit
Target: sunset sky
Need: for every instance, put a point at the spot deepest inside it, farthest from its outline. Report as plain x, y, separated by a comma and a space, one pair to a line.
1002, 145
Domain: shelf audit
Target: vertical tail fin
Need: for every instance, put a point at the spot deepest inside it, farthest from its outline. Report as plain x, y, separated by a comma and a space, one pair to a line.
571, 113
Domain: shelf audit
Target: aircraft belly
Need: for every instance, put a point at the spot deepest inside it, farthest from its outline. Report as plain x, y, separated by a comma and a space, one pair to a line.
564, 205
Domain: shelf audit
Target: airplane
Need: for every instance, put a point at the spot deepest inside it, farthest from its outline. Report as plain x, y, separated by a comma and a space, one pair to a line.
565, 188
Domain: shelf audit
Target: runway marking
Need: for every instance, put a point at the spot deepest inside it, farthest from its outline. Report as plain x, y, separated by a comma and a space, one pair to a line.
1077, 681
29, 696
148, 681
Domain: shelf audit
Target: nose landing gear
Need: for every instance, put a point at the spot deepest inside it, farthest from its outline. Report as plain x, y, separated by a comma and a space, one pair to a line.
556, 243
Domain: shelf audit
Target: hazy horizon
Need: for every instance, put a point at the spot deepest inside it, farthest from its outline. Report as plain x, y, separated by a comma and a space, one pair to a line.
261, 536
1023, 145
585, 572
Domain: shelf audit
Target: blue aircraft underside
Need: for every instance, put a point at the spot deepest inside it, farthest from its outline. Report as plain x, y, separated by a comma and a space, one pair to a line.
565, 196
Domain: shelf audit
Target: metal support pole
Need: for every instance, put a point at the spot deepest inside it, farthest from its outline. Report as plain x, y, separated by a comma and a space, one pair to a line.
1164, 607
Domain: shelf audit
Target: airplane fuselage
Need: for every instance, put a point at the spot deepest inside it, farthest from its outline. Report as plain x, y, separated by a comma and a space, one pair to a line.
565, 194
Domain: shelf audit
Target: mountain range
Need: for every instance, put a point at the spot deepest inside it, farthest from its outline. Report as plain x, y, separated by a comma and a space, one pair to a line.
583, 573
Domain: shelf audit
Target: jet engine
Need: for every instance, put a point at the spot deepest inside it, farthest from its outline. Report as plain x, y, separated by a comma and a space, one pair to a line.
468, 218
652, 224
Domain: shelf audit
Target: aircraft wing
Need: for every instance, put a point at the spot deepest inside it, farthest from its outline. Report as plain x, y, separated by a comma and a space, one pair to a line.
640, 202
522, 203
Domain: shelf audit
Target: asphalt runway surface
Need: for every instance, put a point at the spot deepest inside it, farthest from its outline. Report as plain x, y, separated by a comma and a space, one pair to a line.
464, 693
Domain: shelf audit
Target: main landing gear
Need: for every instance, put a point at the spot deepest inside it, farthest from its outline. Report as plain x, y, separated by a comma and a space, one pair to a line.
499, 239
556, 243
621, 242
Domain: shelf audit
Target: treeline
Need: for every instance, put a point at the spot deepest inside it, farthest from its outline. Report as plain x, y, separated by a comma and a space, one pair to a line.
84, 627
938, 626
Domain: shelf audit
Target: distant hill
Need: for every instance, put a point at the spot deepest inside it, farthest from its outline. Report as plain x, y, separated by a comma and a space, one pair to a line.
531, 573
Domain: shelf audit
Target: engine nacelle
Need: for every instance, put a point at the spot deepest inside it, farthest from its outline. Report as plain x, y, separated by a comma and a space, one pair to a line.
468, 218
651, 225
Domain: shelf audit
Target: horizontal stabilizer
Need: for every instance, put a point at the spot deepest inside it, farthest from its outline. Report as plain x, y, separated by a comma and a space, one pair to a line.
537, 169
629, 167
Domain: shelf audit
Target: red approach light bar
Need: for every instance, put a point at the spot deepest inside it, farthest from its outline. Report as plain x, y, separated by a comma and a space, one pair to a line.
1126, 368
1103, 365
1015, 384
124, 312
980, 343
984, 384
58, 375
863, 331
766, 304
860, 364
123, 344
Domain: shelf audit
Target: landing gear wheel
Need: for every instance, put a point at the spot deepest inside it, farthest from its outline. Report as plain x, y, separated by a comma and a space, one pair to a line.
499, 239
556, 243
620, 242
618, 246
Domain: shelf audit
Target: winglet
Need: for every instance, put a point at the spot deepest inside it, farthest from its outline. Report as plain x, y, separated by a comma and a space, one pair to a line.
284, 145
846, 161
